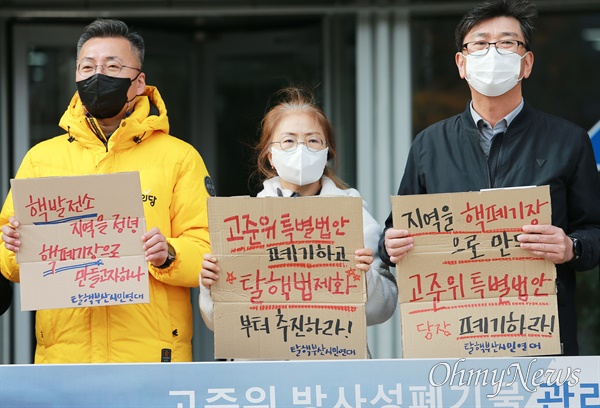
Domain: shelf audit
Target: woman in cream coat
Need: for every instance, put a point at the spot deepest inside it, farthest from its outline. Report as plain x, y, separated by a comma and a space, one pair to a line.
295, 146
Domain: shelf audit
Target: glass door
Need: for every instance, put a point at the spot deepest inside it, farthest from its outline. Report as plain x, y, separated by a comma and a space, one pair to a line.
243, 71
43, 62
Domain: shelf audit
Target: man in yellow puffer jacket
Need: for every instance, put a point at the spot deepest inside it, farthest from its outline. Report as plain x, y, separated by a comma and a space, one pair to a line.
115, 123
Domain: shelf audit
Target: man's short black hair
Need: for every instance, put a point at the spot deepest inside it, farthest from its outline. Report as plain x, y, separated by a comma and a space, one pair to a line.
521, 10
109, 28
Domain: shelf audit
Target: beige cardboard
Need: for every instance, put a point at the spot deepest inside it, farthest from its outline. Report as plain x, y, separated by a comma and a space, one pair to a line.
81, 283
486, 328
258, 280
290, 331
291, 254
81, 241
68, 243
466, 258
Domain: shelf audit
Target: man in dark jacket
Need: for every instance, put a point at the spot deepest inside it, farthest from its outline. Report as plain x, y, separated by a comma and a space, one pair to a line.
500, 141
5, 294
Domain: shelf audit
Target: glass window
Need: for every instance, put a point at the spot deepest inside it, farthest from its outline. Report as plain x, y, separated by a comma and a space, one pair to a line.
565, 79
438, 91
51, 86
244, 83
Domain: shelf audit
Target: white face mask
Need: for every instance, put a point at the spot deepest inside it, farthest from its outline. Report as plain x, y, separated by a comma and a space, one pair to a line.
494, 74
300, 167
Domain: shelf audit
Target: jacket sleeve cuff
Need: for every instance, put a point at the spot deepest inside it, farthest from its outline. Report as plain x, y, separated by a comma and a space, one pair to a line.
587, 259
206, 307
383, 255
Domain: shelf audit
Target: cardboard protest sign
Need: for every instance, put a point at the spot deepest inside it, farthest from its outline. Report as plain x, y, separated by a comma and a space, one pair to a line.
467, 289
81, 241
289, 286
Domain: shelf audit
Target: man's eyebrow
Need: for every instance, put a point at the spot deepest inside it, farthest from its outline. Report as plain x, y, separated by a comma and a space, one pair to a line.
502, 34
109, 58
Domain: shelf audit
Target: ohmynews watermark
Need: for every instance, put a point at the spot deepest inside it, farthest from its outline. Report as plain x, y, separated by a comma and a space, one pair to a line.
530, 380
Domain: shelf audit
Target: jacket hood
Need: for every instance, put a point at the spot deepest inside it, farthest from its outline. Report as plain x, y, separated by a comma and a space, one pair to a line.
148, 117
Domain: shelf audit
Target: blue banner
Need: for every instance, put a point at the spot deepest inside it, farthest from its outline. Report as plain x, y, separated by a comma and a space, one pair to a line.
477, 382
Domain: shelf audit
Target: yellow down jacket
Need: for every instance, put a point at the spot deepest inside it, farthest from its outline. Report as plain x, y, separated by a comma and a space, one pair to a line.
175, 186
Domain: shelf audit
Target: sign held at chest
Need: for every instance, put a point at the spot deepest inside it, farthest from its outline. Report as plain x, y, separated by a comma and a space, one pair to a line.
467, 289
289, 286
81, 241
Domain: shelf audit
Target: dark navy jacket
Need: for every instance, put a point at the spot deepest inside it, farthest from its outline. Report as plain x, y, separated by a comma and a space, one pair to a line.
537, 149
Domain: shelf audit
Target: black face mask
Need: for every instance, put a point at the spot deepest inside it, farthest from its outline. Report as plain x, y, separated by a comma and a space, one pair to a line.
104, 96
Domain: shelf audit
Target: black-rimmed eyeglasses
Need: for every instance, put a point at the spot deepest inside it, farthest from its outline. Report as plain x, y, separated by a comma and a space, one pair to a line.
112, 68
503, 47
